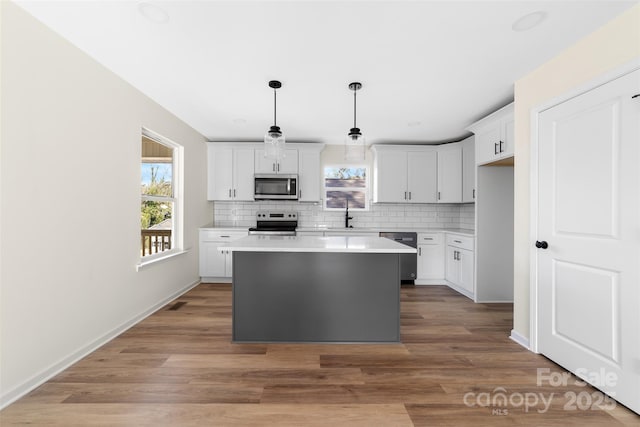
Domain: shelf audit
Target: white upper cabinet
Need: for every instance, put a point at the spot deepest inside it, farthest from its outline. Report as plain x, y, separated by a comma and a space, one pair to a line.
417, 174
494, 136
469, 170
405, 174
309, 178
232, 165
230, 172
390, 176
450, 173
422, 176
287, 164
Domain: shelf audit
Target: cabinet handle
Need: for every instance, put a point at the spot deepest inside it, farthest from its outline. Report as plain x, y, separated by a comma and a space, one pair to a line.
225, 237
474, 193
409, 195
300, 194
234, 192
438, 195
278, 168
495, 148
501, 143
419, 251
229, 193
405, 195
458, 241
428, 238
273, 167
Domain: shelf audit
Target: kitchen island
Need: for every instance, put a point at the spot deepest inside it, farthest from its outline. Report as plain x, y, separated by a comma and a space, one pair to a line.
316, 289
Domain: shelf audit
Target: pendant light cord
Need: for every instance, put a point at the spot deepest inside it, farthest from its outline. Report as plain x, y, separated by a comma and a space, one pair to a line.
354, 108
274, 107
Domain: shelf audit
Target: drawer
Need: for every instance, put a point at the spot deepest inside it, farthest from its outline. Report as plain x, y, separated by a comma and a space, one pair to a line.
221, 236
462, 242
430, 238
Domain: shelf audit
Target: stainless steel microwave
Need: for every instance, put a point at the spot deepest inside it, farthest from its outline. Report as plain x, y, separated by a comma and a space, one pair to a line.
275, 187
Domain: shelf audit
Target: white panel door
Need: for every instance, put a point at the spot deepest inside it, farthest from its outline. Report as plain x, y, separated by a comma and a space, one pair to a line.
220, 173
289, 161
243, 171
588, 278
391, 177
212, 261
450, 174
469, 170
309, 176
422, 176
430, 262
465, 258
452, 266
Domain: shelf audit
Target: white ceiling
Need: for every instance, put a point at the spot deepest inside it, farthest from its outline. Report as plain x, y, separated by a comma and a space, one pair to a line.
428, 68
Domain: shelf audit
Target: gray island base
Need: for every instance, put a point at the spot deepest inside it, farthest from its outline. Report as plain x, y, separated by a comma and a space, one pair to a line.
316, 297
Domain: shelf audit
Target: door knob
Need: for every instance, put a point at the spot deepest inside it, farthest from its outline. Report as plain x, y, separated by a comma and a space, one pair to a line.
541, 245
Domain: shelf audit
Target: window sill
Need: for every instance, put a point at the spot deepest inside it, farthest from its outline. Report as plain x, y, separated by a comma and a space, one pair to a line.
170, 254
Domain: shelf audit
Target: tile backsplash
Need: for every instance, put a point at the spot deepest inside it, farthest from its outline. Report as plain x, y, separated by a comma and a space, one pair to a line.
239, 214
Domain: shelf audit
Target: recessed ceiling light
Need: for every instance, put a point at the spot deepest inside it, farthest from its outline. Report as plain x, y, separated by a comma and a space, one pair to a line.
529, 21
240, 121
153, 12
414, 123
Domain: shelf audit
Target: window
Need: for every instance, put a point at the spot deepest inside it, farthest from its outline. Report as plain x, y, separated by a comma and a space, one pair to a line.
160, 196
344, 185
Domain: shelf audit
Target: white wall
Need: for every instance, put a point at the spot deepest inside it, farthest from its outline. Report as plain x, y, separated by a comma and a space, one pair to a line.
616, 43
69, 212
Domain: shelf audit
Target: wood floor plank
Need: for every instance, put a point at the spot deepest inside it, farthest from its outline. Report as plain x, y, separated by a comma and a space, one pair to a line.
179, 368
254, 361
351, 393
229, 415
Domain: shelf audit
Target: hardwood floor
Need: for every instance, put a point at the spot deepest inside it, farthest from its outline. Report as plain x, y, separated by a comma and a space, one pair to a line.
178, 367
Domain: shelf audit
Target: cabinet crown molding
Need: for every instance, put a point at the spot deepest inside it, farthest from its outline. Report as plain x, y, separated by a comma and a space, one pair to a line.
503, 112
258, 145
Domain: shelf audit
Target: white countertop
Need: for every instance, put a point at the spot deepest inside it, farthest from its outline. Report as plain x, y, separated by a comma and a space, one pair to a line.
463, 231
343, 244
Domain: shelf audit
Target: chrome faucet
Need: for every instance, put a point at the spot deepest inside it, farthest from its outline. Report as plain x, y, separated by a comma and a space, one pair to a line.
346, 216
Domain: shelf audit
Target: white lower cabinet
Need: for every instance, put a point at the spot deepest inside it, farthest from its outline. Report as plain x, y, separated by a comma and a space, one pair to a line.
459, 263
430, 258
215, 264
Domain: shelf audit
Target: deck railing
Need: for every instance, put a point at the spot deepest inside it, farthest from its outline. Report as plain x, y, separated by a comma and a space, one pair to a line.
154, 241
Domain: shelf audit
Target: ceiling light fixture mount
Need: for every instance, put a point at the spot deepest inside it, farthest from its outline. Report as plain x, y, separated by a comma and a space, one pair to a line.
529, 21
153, 12
354, 143
274, 139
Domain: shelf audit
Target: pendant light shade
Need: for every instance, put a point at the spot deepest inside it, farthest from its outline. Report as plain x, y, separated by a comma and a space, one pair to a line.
354, 144
274, 141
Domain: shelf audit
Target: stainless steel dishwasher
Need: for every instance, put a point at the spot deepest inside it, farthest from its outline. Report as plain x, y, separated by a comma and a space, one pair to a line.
408, 262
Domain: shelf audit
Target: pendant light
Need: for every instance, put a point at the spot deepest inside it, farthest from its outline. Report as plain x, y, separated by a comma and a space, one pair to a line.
354, 143
274, 139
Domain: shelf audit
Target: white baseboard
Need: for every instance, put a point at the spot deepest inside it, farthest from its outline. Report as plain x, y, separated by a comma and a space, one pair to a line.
215, 280
515, 336
461, 290
430, 282
38, 379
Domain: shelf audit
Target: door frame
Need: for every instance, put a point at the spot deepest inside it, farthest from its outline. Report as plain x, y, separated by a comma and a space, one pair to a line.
534, 117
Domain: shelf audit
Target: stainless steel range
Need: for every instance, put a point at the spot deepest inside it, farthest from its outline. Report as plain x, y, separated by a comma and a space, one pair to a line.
275, 223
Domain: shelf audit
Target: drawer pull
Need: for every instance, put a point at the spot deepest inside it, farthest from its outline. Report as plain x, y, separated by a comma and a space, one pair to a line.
458, 241
226, 237
428, 238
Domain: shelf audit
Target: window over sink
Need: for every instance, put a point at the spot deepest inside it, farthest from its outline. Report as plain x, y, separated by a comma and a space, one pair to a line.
346, 185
